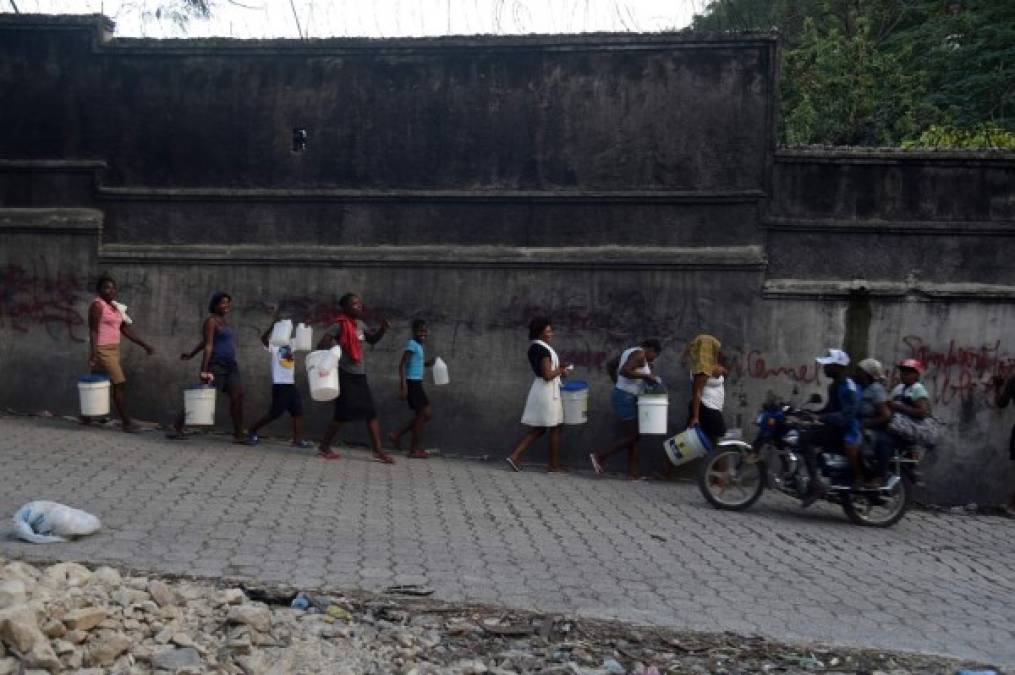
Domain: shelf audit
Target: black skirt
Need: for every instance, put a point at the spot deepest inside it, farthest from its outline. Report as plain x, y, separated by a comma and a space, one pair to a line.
354, 401
417, 397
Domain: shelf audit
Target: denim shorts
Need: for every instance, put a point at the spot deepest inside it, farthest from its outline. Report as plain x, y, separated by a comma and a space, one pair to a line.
624, 404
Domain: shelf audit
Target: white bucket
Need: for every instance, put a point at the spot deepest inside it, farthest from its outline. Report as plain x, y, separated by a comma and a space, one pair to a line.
652, 411
687, 446
322, 373
281, 333
93, 390
440, 372
574, 394
303, 338
199, 406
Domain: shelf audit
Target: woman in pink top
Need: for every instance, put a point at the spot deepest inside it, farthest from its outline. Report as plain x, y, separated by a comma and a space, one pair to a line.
105, 326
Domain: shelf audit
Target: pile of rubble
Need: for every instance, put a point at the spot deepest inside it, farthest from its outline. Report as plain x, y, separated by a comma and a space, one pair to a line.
69, 618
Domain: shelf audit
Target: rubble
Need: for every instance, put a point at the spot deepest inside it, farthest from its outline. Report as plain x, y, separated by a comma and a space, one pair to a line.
68, 618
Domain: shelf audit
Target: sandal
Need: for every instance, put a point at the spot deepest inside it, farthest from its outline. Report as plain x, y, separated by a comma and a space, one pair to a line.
303, 444
384, 458
419, 454
596, 466
329, 454
514, 466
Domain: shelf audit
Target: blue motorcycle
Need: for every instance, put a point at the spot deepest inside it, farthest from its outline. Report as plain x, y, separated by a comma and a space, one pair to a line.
734, 476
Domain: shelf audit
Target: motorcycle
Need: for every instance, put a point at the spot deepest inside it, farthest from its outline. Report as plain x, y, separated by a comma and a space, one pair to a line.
735, 475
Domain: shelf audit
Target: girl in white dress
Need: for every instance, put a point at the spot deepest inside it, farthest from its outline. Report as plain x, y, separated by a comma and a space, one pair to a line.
543, 407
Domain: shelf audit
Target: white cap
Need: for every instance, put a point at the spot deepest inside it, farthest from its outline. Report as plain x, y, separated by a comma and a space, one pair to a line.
836, 356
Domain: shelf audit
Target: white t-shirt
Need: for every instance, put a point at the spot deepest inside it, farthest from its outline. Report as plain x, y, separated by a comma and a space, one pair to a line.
283, 365
713, 394
627, 384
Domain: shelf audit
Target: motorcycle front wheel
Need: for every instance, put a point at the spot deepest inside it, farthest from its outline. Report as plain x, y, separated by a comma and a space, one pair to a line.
878, 509
731, 481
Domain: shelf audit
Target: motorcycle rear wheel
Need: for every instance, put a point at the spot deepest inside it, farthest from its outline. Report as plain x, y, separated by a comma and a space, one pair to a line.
730, 482
880, 509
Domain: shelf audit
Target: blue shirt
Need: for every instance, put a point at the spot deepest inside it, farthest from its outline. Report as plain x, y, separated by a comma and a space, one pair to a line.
414, 368
843, 405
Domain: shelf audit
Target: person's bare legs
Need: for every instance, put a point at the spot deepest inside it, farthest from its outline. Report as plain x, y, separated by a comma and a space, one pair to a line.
853, 452
422, 417
523, 445
632, 460
324, 449
555, 464
374, 427
119, 401
298, 430
236, 412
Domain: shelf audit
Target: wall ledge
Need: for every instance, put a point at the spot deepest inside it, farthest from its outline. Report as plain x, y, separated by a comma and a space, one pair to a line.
908, 290
1002, 228
858, 155
746, 258
51, 221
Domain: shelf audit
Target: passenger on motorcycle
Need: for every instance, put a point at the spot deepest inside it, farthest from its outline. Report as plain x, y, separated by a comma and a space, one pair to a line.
840, 426
874, 414
911, 400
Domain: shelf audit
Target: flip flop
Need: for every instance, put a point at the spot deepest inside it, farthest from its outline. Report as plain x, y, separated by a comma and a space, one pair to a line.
131, 429
384, 458
596, 466
514, 466
419, 454
176, 436
328, 454
303, 444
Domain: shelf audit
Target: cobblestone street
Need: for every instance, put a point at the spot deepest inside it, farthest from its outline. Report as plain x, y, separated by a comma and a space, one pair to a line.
649, 553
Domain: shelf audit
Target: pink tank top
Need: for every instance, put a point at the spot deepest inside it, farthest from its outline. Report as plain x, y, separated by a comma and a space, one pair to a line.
109, 324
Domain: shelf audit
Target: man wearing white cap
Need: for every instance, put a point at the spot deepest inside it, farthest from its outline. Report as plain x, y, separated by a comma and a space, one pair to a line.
840, 425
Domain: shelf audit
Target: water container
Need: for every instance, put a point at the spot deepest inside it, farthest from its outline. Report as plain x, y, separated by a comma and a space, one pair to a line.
652, 413
687, 446
93, 390
440, 372
303, 338
575, 396
199, 406
281, 333
322, 373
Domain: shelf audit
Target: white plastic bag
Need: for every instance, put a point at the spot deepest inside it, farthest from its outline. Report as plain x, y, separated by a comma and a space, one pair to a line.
440, 372
281, 333
52, 523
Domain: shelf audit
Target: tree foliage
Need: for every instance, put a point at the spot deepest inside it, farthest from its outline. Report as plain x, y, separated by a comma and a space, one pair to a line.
887, 72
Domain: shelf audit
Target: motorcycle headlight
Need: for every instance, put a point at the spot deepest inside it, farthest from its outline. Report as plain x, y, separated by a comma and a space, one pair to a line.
792, 437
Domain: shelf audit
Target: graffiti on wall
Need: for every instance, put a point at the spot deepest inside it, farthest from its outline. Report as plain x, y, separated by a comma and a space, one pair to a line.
959, 371
28, 299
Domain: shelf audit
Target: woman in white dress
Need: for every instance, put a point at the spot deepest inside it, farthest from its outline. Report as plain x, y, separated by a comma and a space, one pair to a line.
544, 409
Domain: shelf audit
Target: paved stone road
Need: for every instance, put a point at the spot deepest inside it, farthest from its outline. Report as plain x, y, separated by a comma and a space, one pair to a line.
651, 553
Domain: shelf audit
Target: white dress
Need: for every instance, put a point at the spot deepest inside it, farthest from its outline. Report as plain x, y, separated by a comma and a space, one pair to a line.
543, 407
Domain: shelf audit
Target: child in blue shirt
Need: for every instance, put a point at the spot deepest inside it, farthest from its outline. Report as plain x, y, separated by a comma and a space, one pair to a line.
410, 375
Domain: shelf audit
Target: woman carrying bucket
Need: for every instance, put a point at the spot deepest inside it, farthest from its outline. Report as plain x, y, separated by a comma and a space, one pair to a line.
631, 371
543, 407
218, 362
107, 321
708, 378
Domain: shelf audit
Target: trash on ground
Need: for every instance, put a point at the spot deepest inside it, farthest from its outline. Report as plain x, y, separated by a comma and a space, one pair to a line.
44, 522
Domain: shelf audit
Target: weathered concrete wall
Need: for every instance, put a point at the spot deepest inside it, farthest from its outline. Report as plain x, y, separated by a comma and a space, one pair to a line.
626, 185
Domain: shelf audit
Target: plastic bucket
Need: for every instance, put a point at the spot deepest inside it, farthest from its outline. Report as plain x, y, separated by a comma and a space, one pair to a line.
199, 406
322, 374
303, 338
652, 413
93, 390
440, 372
687, 446
575, 396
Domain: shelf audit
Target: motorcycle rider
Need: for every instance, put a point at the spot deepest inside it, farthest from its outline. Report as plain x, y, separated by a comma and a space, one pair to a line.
840, 426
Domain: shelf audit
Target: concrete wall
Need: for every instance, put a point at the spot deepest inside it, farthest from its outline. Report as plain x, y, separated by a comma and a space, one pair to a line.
628, 186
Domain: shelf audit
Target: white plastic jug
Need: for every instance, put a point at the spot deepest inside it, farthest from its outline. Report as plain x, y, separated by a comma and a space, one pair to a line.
322, 373
303, 338
199, 406
281, 333
93, 391
440, 372
652, 412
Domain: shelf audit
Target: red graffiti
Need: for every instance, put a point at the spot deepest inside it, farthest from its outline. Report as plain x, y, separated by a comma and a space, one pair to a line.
752, 364
960, 371
27, 299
